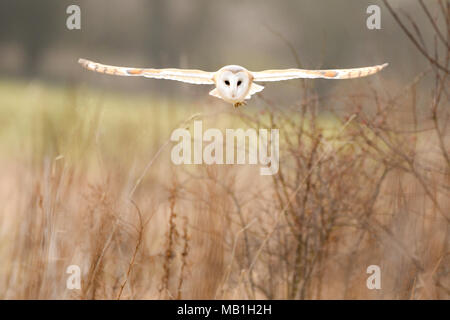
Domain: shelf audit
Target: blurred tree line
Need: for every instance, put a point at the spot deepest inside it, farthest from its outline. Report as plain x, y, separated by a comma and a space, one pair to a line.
31, 23
37, 25
197, 34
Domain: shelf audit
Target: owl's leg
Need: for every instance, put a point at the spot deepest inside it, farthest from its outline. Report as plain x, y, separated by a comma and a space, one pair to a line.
238, 104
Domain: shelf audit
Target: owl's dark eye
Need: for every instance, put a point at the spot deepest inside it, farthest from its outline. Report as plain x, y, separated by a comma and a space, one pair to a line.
227, 82
239, 82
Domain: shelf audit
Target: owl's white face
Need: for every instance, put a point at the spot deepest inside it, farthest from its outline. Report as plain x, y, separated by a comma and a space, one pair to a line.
233, 83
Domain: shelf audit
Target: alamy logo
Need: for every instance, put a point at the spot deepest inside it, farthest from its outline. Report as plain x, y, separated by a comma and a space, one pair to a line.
237, 151
74, 280
73, 21
374, 20
374, 281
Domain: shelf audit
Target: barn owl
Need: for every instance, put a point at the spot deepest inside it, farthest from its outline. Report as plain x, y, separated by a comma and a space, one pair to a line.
234, 84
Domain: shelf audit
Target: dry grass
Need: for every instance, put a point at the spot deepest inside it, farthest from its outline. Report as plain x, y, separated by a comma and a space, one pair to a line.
89, 185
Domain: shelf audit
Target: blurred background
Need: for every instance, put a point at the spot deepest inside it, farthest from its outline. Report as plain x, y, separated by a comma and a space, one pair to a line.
86, 177
35, 42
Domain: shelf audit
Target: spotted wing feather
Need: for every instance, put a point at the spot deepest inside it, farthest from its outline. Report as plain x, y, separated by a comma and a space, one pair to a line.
184, 75
288, 74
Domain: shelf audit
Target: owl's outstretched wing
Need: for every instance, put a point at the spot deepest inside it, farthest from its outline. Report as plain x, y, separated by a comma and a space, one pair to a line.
184, 75
288, 74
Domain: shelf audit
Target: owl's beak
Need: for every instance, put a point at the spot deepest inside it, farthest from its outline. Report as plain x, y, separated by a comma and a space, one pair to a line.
233, 92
